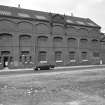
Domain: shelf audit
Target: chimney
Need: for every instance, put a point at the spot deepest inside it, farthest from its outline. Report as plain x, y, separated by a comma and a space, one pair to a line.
19, 6
72, 14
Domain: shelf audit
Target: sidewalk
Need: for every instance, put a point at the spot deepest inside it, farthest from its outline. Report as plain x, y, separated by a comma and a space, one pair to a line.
8, 70
56, 68
81, 66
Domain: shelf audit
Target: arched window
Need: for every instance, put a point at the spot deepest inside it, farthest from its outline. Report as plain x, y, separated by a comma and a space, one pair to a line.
25, 47
5, 52
42, 56
24, 53
25, 27
71, 30
94, 42
42, 28
102, 42
84, 55
72, 42
83, 40
7, 26
25, 57
72, 55
25, 37
25, 40
42, 41
71, 39
57, 39
58, 56
58, 30
83, 43
6, 41
5, 36
42, 38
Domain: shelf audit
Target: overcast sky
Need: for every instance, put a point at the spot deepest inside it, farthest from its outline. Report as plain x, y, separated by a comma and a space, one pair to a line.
93, 9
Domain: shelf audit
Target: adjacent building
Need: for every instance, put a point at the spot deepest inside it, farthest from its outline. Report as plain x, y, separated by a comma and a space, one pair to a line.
29, 37
102, 41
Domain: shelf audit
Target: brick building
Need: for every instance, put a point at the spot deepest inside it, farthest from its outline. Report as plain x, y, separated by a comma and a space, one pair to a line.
29, 37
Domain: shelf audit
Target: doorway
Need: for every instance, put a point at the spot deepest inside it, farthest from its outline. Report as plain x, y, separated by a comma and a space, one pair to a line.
5, 61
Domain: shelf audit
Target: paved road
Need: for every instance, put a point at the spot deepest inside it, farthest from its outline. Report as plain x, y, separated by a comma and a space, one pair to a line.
57, 69
60, 86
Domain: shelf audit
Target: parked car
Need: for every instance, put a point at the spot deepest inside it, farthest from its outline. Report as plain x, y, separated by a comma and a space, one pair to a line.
44, 66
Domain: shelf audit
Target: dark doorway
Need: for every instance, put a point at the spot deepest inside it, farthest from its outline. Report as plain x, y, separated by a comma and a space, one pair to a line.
5, 61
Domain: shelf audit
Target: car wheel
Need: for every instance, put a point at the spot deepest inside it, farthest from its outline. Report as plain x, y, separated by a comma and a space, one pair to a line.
38, 68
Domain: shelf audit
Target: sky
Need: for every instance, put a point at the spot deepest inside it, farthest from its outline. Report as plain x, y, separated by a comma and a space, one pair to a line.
93, 9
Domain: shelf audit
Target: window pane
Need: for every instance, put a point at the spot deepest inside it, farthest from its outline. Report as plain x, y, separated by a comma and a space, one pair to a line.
58, 56
43, 38
83, 40
71, 39
5, 52
84, 55
24, 52
42, 56
94, 41
57, 39
71, 55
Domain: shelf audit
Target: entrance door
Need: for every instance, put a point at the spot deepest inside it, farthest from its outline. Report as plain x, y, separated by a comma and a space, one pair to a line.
5, 61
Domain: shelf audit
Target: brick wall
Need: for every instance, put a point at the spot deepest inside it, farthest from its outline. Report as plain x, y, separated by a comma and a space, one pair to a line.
58, 38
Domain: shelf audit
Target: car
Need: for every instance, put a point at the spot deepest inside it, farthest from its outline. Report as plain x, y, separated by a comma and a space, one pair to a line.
44, 66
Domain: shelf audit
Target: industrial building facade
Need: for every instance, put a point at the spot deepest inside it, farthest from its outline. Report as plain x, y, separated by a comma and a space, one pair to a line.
29, 37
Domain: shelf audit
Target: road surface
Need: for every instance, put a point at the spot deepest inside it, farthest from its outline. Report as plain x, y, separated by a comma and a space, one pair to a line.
70, 87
